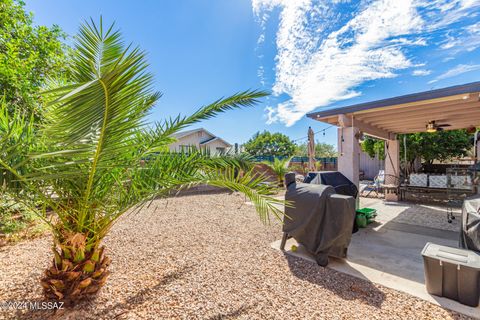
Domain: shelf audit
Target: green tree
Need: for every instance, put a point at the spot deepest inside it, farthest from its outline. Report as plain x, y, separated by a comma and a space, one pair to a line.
104, 160
322, 150
373, 147
440, 145
270, 144
29, 55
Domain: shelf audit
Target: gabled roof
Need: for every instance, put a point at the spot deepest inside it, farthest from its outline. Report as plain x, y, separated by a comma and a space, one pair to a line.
188, 132
215, 139
182, 134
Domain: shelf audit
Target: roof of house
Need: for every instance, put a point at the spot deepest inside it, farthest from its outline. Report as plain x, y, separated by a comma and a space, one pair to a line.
182, 134
215, 139
457, 106
187, 132
408, 98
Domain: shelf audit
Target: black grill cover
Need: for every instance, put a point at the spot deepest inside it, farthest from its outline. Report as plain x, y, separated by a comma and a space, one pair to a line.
337, 180
470, 232
321, 220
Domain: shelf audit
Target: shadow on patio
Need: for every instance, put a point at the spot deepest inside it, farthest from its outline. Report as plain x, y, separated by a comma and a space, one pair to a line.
388, 252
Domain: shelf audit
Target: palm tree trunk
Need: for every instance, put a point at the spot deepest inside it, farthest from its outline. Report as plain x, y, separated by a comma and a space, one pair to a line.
76, 272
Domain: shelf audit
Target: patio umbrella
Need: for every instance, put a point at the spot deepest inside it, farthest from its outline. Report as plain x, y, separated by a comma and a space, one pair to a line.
311, 150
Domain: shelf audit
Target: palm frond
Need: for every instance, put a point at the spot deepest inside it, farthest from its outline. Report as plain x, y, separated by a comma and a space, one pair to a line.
175, 171
162, 135
17, 139
279, 167
254, 187
101, 158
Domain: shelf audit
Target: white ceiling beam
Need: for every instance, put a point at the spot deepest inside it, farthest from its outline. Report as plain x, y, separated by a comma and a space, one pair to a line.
345, 121
458, 98
441, 117
420, 127
433, 109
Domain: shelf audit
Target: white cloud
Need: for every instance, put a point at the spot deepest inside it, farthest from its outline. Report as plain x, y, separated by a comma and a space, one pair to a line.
421, 72
319, 63
445, 12
316, 71
414, 42
467, 39
457, 70
474, 28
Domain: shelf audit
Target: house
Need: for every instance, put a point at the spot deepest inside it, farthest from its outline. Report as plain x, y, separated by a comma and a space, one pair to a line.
200, 139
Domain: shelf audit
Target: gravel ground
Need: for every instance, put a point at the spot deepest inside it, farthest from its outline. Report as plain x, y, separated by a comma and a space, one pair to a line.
206, 257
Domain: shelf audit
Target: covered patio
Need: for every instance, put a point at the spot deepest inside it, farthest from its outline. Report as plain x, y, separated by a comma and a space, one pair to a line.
388, 251
457, 106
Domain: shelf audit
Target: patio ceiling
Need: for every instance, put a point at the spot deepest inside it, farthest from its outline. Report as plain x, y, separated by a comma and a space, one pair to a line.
458, 106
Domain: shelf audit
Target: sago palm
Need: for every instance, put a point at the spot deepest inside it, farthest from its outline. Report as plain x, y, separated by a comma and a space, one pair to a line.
279, 168
105, 160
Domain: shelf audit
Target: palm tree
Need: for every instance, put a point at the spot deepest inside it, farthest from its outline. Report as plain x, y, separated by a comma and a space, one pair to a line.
17, 139
279, 168
104, 160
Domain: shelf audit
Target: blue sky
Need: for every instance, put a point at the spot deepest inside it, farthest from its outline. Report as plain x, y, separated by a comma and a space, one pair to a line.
311, 54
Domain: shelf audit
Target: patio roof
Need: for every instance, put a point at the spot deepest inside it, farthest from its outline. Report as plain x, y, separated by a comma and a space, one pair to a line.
458, 106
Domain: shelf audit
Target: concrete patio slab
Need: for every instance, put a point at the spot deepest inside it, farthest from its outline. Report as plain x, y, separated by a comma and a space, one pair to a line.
392, 258
426, 215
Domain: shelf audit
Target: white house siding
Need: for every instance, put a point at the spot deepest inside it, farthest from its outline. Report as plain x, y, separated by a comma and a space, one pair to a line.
216, 144
192, 139
195, 138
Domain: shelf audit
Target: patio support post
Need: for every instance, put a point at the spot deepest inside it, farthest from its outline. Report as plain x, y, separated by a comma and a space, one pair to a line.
349, 153
477, 159
392, 164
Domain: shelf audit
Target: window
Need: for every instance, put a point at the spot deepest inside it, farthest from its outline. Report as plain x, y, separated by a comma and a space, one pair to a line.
183, 148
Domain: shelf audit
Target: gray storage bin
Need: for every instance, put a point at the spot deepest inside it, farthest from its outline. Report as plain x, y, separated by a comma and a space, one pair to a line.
452, 273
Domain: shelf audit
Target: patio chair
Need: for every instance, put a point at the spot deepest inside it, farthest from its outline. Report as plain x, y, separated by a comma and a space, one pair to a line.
375, 185
391, 184
383, 183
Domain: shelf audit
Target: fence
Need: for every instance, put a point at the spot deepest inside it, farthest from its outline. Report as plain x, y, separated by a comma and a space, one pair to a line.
327, 164
332, 160
370, 166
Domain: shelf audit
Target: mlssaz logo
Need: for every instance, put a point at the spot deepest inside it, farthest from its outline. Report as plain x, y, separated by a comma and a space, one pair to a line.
31, 305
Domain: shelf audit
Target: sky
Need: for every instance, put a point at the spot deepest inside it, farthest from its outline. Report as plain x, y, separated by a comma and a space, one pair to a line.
309, 54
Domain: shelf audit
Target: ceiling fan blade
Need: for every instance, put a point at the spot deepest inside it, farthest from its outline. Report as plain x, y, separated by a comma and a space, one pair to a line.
444, 125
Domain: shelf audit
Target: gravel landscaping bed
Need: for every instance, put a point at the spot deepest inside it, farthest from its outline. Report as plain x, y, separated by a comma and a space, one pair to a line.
206, 257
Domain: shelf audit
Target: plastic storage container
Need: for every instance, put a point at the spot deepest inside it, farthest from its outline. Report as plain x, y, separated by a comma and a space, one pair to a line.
368, 213
452, 273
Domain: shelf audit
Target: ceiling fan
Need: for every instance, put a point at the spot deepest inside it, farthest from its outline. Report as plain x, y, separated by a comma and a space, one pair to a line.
432, 126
